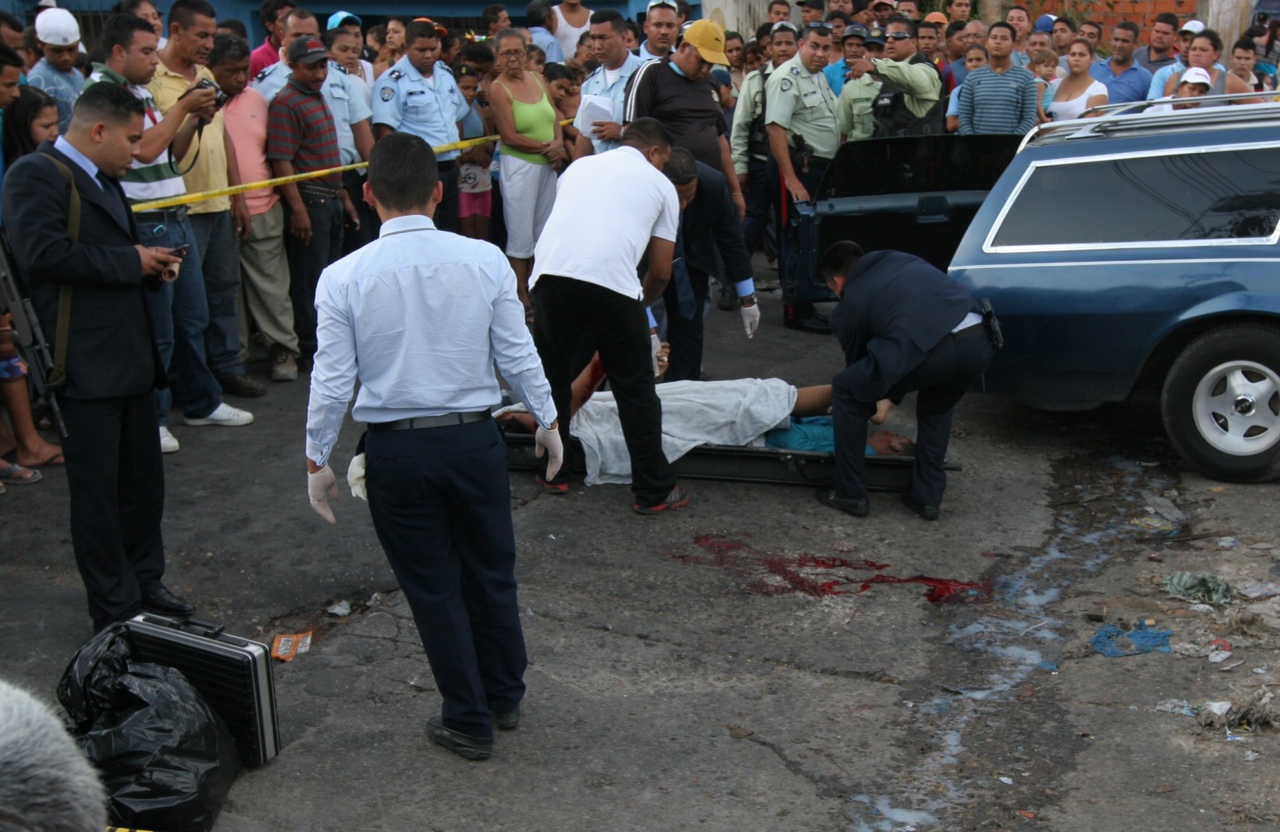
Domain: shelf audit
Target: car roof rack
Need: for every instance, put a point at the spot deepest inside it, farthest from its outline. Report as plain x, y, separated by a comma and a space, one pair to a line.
1132, 115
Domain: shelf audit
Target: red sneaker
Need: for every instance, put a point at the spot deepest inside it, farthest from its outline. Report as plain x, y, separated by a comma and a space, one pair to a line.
678, 498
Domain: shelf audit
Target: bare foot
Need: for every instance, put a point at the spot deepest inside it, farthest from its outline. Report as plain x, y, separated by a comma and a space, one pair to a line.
882, 411
41, 455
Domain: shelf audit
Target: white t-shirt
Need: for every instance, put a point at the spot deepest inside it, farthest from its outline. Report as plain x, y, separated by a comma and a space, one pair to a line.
607, 208
566, 34
1072, 108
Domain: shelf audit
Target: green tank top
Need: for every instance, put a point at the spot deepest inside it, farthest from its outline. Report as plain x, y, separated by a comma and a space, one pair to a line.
533, 121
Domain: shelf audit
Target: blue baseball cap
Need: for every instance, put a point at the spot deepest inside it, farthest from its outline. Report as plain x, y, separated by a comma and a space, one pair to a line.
1044, 23
854, 30
341, 19
875, 35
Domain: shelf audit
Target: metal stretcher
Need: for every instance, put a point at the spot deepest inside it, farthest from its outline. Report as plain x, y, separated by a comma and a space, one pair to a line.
775, 466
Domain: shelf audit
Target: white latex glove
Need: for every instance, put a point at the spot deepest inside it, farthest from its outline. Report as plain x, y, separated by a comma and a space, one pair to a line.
750, 318
654, 346
548, 441
355, 477
322, 486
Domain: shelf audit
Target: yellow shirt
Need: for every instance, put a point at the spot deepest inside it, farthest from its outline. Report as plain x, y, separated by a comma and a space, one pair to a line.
210, 171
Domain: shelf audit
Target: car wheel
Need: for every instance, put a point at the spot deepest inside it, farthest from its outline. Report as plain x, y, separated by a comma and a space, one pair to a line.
1221, 403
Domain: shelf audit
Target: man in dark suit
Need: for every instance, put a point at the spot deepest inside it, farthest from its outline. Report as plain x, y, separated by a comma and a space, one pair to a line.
710, 243
114, 471
904, 325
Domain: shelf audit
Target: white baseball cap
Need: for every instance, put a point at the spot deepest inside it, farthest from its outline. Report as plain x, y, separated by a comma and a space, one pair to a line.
1195, 27
1196, 75
57, 27
47, 4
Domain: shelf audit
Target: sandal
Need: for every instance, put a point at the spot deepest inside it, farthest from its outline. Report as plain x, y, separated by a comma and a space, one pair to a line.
10, 475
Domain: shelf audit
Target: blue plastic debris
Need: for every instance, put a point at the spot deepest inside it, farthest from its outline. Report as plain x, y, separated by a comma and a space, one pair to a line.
1052, 667
1109, 641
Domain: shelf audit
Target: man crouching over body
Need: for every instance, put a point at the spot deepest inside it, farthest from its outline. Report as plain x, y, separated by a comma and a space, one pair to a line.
420, 316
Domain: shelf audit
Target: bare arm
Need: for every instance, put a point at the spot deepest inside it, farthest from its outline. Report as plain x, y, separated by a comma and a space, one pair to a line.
380, 130
659, 273
505, 118
177, 128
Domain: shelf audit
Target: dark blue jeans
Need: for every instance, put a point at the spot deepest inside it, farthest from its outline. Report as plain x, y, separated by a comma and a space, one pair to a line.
440, 500
180, 315
220, 266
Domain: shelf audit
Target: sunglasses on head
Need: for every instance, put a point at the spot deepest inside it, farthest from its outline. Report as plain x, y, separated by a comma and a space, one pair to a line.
655, 4
783, 24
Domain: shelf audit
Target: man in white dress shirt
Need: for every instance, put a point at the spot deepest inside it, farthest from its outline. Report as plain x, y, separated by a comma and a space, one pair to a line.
420, 316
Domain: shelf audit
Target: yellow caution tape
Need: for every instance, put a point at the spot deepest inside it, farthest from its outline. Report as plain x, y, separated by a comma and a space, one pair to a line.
187, 199
122, 829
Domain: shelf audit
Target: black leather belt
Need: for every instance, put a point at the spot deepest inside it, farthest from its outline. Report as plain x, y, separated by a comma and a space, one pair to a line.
426, 422
445, 164
176, 214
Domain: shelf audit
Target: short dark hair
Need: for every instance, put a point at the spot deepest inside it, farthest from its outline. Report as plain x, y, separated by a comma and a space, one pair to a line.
402, 171
492, 14
764, 30
236, 26
119, 31
644, 133
729, 35
902, 20
955, 27
558, 72
924, 24
1000, 24
1095, 24
1213, 37
1168, 18
839, 259
1130, 27
106, 102
476, 52
10, 57
419, 29
1022, 9
838, 15
296, 13
681, 168
1071, 24
813, 30
270, 10
786, 3
185, 12
128, 7
1087, 43
330, 35
227, 48
8, 21
612, 17
537, 13
1244, 43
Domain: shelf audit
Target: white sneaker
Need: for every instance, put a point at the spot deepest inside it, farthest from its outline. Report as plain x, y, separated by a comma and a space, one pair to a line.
225, 415
168, 442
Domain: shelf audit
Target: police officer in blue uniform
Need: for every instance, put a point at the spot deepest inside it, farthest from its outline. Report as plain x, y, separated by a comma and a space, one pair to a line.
904, 325
412, 97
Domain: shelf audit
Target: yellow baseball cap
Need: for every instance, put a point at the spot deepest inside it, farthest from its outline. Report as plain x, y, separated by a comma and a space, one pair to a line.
707, 37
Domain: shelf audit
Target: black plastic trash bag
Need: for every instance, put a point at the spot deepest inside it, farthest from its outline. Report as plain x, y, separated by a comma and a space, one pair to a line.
166, 759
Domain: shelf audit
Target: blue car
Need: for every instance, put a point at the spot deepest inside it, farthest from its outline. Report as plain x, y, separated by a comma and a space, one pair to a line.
1138, 253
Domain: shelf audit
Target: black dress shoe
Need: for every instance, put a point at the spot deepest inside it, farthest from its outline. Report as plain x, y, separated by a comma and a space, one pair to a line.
509, 721
464, 745
242, 386
164, 602
859, 507
927, 512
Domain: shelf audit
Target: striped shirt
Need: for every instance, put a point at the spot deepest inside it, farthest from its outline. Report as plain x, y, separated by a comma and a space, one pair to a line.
300, 130
998, 102
144, 181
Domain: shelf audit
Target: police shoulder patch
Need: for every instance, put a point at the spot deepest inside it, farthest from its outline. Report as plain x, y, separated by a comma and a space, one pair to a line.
785, 85
262, 76
396, 74
795, 70
387, 93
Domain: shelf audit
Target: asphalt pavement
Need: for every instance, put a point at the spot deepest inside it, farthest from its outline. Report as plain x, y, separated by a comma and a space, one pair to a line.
756, 661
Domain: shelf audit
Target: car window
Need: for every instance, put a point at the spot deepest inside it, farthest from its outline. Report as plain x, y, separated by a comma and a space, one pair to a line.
1231, 194
915, 164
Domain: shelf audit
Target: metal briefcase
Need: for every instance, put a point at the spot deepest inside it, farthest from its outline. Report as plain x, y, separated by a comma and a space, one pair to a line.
233, 674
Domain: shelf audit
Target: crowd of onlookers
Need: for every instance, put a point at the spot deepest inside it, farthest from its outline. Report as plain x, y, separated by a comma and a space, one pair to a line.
317, 93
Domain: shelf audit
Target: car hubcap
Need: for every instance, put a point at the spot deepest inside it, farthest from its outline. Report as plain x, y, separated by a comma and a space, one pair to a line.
1237, 408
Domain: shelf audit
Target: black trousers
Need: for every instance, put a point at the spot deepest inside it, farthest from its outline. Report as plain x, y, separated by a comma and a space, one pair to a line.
942, 378
441, 506
790, 258
352, 239
685, 335
446, 216
564, 310
308, 260
115, 480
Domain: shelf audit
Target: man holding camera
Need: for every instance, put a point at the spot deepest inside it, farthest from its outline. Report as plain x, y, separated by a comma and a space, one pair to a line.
209, 165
